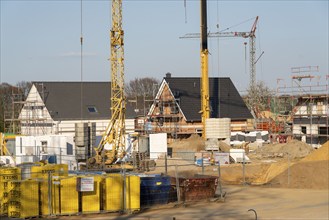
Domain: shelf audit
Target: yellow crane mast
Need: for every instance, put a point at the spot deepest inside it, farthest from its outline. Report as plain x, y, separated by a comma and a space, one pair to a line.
205, 109
3, 149
112, 146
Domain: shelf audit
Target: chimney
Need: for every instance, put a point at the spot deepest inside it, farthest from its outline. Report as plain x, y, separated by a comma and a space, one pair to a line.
168, 75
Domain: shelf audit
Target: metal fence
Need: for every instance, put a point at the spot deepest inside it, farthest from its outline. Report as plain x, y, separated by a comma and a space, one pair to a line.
52, 190
270, 168
33, 190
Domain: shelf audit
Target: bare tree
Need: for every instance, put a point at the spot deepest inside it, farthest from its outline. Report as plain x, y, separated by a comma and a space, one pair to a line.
5, 102
25, 87
140, 87
259, 97
11, 102
140, 93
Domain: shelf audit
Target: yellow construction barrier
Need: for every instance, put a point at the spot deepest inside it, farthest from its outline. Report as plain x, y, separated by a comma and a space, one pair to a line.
91, 200
30, 198
44, 197
25, 202
65, 196
132, 202
7, 174
112, 193
54, 169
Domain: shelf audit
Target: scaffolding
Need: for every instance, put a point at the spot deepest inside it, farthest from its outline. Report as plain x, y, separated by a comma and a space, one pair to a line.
27, 116
308, 96
165, 116
12, 124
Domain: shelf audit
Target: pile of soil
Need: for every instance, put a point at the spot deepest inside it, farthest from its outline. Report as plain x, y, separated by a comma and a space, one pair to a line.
320, 154
197, 144
311, 172
305, 175
274, 170
193, 143
294, 148
223, 147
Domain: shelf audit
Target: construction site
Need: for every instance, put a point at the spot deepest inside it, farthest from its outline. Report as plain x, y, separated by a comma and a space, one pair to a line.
191, 148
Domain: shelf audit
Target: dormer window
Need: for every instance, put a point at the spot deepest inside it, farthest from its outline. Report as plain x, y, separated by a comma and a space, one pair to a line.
92, 109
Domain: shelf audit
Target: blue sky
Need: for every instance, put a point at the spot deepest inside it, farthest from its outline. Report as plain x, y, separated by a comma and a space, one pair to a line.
40, 39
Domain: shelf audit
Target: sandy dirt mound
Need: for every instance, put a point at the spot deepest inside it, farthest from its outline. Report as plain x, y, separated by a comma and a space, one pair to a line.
223, 147
295, 149
306, 168
193, 143
233, 174
310, 175
196, 143
273, 171
311, 172
320, 154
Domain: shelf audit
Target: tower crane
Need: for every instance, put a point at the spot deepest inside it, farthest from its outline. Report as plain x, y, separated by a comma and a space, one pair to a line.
111, 148
252, 46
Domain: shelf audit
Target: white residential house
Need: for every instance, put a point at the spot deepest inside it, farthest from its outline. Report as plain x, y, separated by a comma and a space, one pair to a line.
49, 116
55, 107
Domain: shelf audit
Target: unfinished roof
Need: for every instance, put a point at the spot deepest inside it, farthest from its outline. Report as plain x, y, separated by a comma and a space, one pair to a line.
63, 100
225, 100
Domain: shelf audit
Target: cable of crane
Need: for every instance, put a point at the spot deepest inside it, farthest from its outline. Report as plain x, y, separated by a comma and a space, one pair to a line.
217, 17
211, 72
253, 18
0, 53
81, 62
185, 11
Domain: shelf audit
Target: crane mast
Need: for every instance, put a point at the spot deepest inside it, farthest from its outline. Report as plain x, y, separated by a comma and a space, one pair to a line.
112, 146
205, 109
117, 73
252, 50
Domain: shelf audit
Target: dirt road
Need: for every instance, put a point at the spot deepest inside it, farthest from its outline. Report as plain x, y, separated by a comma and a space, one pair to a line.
269, 203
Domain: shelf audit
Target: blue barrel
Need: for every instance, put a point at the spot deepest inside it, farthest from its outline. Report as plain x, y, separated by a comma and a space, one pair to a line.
52, 159
154, 190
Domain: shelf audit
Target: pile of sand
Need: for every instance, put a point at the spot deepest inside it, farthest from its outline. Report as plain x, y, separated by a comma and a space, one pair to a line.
320, 154
273, 171
311, 172
196, 143
305, 175
223, 147
193, 143
294, 148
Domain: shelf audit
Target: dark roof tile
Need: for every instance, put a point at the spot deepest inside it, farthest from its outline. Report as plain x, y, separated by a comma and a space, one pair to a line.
225, 100
63, 100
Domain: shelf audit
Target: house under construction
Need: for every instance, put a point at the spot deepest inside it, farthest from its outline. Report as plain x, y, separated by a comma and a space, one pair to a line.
176, 107
308, 96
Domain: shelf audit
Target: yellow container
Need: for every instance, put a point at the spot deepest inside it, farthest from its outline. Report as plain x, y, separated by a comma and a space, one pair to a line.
65, 196
91, 200
54, 169
26, 203
7, 175
132, 202
112, 193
